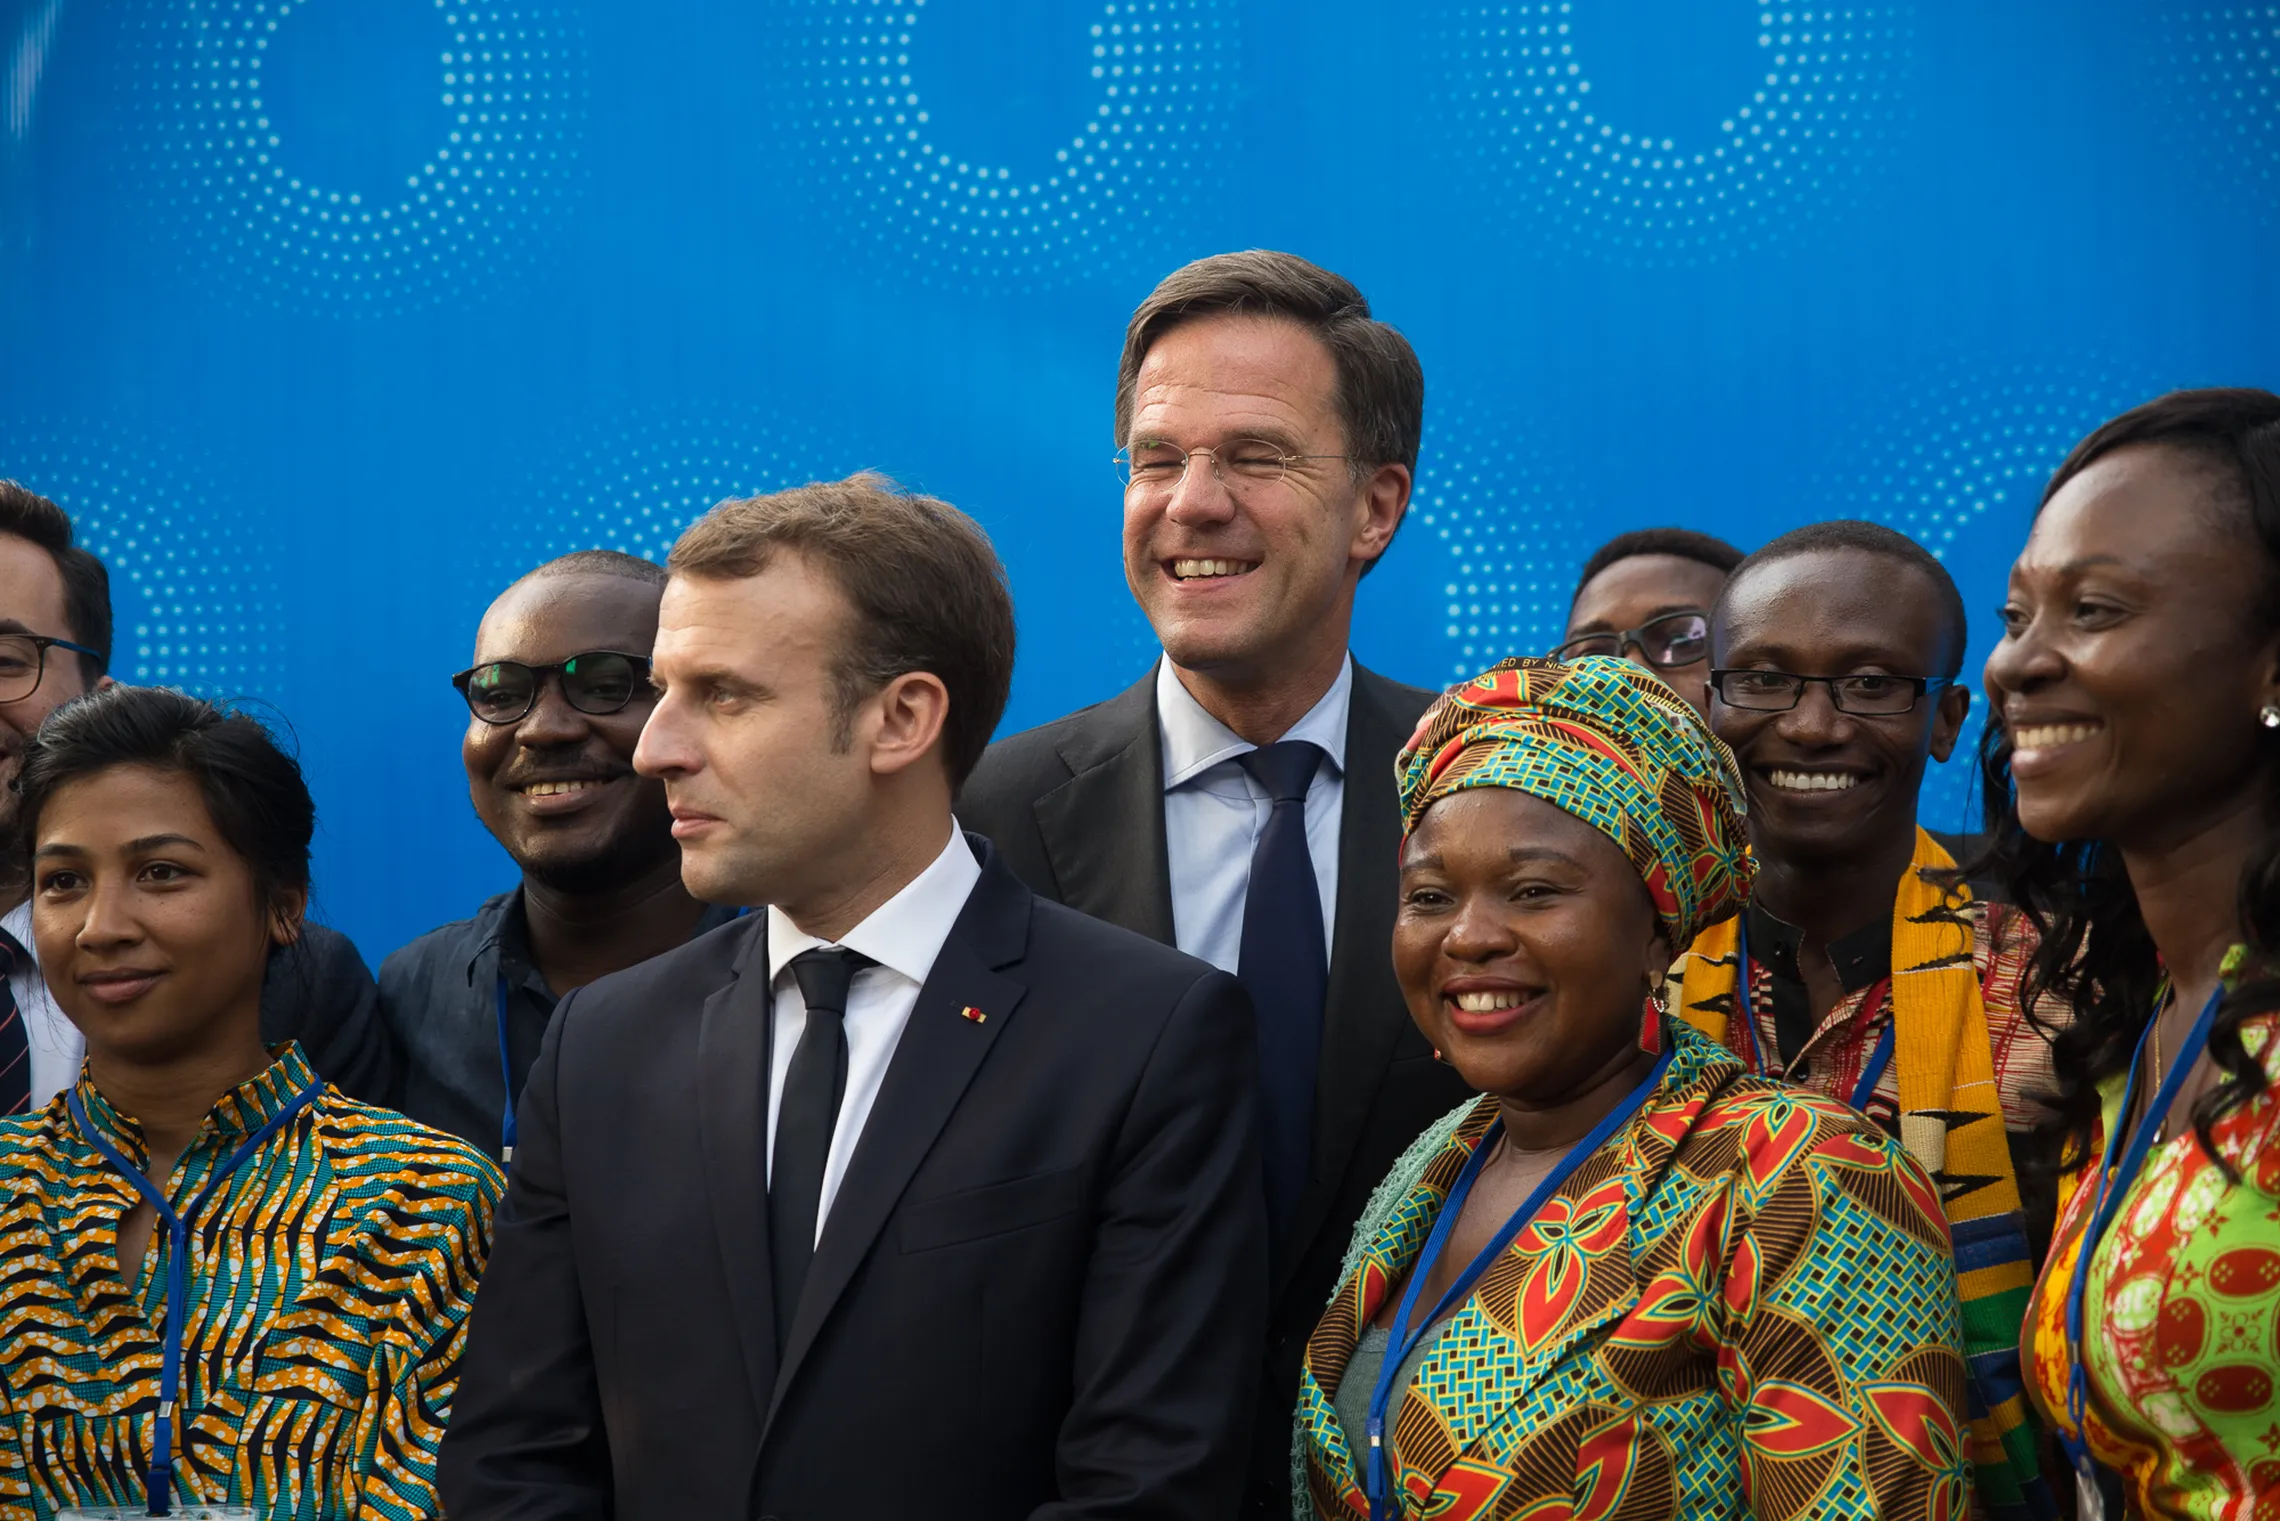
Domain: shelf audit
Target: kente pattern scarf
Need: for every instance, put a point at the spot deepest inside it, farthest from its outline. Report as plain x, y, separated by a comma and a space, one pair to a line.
1951, 1122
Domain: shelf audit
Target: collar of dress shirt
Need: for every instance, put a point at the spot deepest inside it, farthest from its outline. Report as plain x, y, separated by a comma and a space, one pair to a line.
18, 923
1194, 741
906, 932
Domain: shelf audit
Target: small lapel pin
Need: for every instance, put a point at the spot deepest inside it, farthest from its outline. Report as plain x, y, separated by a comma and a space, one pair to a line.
974, 1014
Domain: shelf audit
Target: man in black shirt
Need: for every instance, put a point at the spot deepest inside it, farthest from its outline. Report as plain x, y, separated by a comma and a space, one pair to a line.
556, 700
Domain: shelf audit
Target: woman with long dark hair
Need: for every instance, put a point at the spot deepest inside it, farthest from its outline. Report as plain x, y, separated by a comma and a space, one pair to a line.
2132, 766
222, 1283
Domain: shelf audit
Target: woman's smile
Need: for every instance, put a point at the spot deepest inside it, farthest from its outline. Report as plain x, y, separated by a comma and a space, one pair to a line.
1481, 1006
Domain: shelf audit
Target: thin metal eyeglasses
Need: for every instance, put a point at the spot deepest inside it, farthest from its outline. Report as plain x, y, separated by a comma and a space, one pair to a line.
1865, 696
1667, 642
1158, 467
23, 662
597, 682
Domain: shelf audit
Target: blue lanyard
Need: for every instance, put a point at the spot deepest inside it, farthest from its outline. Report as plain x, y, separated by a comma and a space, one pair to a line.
160, 1481
506, 1081
1878, 1060
1407, 1333
2113, 1183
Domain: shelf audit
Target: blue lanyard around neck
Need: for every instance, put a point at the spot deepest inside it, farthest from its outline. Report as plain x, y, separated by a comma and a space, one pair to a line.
160, 1480
506, 1082
2113, 1182
1408, 1332
1878, 1060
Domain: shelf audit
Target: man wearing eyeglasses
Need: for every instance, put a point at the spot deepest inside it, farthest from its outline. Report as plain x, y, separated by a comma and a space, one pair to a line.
1864, 968
1646, 596
556, 700
1238, 801
55, 643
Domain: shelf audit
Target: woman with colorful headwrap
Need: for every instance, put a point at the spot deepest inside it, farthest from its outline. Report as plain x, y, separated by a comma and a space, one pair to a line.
1631, 1280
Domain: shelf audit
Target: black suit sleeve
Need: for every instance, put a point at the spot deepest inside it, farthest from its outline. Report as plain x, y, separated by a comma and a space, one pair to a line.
1175, 1299
526, 1440
319, 992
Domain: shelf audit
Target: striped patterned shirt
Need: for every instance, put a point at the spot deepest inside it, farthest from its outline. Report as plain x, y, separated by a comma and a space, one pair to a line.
329, 1282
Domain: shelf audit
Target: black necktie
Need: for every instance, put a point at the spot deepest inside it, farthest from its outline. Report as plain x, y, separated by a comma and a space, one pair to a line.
805, 1117
1285, 963
15, 1040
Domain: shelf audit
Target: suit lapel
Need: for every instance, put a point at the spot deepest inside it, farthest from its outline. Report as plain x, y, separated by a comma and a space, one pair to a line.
1361, 1018
732, 1110
1104, 827
940, 1051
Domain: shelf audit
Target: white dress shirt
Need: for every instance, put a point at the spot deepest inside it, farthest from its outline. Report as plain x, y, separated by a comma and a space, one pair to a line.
1213, 813
903, 935
57, 1049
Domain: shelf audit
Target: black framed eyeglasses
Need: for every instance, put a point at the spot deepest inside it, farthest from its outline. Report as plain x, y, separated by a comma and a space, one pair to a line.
1865, 696
598, 681
1156, 468
1673, 640
23, 661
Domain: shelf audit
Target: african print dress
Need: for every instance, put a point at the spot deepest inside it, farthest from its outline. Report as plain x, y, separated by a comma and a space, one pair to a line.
1742, 1305
330, 1278
2181, 1315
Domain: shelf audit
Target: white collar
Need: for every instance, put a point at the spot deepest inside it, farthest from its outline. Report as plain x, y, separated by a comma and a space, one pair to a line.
903, 934
1194, 741
18, 922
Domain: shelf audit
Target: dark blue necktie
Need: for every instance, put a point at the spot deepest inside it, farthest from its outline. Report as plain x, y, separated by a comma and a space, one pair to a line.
1285, 964
15, 1040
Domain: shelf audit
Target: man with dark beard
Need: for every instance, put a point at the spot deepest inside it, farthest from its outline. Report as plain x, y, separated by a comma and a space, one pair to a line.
556, 700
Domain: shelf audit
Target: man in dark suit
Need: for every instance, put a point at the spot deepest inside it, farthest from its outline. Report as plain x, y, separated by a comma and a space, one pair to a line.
1239, 801
909, 1194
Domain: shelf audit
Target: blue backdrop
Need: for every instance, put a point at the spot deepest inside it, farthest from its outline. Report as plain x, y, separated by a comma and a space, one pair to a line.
328, 316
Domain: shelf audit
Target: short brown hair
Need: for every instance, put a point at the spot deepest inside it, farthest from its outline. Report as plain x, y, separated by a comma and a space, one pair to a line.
1381, 386
926, 587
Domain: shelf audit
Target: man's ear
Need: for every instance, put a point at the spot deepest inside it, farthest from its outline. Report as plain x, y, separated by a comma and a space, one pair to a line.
912, 711
103, 683
1947, 720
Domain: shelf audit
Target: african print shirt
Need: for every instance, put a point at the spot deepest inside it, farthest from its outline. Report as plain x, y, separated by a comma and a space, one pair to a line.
1742, 1305
330, 1278
1836, 1048
2181, 1313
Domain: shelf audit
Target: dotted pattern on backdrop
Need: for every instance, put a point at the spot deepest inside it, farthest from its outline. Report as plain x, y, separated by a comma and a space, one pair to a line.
512, 81
2226, 81
1970, 449
1081, 203
635, 484
1827, 101
192, 587
1509, 527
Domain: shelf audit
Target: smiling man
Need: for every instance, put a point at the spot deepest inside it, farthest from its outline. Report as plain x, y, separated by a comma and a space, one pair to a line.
1864, 968
556, 700
1238, 801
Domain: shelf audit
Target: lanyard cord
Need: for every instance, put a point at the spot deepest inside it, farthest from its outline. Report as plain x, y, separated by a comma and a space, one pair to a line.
1753, 1059
2113, 1183
506, 1080
160, 1481
1407, 1332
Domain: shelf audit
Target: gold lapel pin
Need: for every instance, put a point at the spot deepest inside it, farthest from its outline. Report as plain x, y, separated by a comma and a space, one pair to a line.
974, 1014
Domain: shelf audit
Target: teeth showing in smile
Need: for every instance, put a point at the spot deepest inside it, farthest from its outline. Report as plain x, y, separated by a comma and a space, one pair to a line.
1814, 781
2044, 736
1195, 570
556, 789
1488, 1003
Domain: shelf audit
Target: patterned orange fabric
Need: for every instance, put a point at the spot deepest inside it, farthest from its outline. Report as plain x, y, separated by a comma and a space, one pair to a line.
2181, 1315
1743, 1303
1609, 743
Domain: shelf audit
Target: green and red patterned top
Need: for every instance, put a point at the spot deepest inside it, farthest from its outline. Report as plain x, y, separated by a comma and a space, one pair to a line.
2181, 1314
1743, 1304
329, 1283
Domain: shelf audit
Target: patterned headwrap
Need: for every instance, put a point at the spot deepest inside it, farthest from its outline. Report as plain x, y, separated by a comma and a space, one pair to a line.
1609, 743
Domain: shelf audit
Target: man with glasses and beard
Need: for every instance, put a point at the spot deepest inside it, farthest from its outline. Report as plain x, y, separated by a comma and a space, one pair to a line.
1646, 595
556, 700
1864, 968
55, 645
